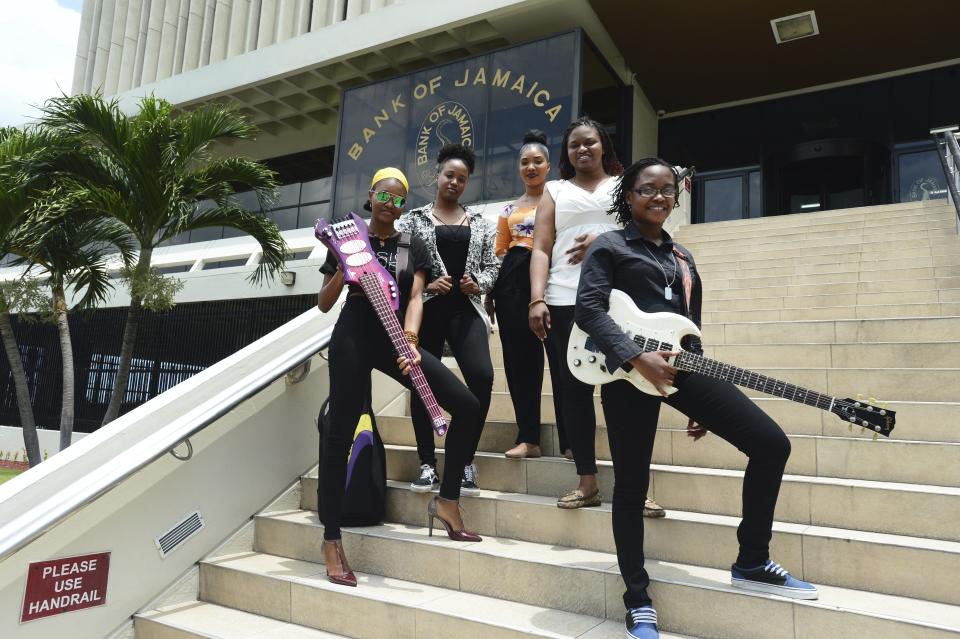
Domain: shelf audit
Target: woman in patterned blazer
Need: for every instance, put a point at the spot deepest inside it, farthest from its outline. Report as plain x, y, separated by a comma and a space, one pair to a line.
464, 268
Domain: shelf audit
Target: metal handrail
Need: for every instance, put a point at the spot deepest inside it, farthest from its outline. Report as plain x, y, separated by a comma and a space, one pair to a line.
24, 529
948, 151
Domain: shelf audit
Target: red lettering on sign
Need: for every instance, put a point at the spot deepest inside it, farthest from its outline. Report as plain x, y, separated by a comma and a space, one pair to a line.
65, 585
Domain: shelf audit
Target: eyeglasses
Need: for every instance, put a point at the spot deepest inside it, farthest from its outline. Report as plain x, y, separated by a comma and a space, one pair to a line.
649, 191
384, 196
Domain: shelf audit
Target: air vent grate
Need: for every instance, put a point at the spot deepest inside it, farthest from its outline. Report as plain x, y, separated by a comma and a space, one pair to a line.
179, 533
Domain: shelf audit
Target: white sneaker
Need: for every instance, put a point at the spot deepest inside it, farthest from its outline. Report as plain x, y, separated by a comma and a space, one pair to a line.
468, 485
427, 481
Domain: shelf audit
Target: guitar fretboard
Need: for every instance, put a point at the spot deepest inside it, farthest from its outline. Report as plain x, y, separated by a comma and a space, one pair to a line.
371, 285
694, 363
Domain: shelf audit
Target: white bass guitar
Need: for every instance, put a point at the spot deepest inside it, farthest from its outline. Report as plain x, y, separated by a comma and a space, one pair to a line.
664, 332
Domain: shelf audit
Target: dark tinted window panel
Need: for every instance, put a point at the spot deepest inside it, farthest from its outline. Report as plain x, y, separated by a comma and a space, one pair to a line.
316, 190
287, 195
921, 177
207, 234
722, 199
286, 219
167, 270
241, 261
299, 255
756, 194
310, 214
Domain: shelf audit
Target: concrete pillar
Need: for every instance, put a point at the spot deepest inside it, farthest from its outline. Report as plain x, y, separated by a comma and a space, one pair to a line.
128, 54
645, 125
376, 4
151, 47
354, 8
220, 42
83, 47
99, 74
320, 14
253, 25
302, 23
267, 33
183, 13
238, 27
286, 18
116, 47
168, 39
95, 30
206, 39
141, 43
194, 36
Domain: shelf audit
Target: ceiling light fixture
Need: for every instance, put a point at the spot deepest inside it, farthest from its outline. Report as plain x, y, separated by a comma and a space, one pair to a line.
795, 27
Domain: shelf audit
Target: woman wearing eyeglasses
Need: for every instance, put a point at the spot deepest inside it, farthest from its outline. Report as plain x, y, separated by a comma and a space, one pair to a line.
642, 260
463, 267
360, 344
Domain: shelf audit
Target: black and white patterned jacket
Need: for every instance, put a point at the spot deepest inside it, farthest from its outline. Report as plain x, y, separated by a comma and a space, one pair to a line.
482, 263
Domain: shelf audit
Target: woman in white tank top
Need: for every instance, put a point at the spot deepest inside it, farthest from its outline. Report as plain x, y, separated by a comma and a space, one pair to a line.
572, 212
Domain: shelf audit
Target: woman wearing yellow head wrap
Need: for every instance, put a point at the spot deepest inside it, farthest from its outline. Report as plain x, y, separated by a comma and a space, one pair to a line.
360, 344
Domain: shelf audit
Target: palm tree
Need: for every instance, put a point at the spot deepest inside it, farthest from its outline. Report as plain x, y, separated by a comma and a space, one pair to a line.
25, 169
150, 172
72, 246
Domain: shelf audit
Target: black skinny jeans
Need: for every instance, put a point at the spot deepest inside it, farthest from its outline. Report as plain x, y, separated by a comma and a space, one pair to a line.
522, 349
576, 398
360, 344
720, 407
454, 320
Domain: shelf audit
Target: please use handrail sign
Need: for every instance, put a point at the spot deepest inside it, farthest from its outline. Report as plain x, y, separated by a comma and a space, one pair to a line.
64, 585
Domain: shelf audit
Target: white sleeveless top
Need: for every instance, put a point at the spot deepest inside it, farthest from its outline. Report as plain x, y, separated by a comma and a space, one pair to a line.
577, 212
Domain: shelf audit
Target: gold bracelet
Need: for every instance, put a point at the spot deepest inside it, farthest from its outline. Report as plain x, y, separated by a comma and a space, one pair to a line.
536, 301
412, 337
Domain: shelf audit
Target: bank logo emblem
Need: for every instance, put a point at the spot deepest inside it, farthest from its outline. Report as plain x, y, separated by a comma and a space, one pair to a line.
925, 188
447, 123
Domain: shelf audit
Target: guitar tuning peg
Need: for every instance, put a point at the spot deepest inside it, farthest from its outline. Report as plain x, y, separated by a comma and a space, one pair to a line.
872, 400
876, 437
850, 427
883, 404
860, 397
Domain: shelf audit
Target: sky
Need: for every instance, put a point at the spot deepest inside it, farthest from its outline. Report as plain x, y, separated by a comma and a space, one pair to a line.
38, 47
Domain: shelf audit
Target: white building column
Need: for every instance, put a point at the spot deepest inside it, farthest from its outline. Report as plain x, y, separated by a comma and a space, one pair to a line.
87, 35
168, 39
267, 33
100, 59
254, 16
128, 52
115, 55
151, 48
194, 36
220, 39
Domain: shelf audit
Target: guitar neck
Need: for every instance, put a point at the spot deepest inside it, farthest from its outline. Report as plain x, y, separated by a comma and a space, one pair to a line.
381, 305
694, 363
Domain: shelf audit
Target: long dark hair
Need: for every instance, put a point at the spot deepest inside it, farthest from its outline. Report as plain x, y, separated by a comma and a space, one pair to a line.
611, 165
621, 208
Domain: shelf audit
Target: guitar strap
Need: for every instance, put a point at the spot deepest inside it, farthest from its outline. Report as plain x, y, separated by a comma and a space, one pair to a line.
403, 255
685, 274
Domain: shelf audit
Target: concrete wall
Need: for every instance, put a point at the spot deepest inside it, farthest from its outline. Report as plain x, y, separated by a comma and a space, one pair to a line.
11, 441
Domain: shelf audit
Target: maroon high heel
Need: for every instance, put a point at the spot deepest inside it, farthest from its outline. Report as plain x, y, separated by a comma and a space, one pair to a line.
346, 578
456, 535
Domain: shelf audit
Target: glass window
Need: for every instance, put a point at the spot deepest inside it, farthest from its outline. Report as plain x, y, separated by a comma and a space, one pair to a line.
286, 219
240, 261
167, 270
921, 176
756, 194
316, 190
247, 200
206, 234
723, 199
288, 195
313, 212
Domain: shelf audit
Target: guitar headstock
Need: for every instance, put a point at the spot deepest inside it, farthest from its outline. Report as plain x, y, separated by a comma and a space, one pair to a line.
349, 240
875, 418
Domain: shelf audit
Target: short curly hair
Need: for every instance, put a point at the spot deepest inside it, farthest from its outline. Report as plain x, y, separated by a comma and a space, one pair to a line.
611, 165
621, 208
457, 152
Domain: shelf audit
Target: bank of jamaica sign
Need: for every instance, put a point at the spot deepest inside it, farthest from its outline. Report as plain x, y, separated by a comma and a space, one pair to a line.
486, 102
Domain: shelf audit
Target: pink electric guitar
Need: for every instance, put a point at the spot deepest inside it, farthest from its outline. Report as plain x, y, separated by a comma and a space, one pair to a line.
350, 242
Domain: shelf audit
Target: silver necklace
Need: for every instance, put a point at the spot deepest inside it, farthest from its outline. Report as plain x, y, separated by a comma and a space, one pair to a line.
668, 286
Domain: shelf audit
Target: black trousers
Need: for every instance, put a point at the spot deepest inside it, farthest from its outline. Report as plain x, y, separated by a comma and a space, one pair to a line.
576, 398
522, 349
720, 407
454, 320
360, 344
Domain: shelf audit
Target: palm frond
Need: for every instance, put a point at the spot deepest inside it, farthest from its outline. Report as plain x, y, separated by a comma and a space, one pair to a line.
264, 230
89, 116
219, 179
209, 123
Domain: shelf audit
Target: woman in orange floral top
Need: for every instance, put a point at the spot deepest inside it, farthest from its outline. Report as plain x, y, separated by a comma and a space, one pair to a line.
522, 350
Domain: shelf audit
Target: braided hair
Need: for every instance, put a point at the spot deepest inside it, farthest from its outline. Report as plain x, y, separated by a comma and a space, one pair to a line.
457, 152
611, 165
621, 208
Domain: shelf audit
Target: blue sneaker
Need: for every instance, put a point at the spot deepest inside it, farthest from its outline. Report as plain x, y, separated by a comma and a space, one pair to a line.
642, 623
771, 578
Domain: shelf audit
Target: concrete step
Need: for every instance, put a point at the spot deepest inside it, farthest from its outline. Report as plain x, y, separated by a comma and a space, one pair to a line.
879, 311
839, 288
921, 421
298, 591
885, 355
882, 249
869, 215
887, 507
777, 268
925, 329
826, 235
939, 256
918, 384
842, 277
933, 297
569, 578
912, 462
201, 620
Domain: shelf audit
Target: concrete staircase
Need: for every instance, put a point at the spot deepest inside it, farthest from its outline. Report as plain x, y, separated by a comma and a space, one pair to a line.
864, 300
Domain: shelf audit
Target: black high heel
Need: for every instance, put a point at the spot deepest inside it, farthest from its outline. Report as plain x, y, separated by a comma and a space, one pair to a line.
456, 535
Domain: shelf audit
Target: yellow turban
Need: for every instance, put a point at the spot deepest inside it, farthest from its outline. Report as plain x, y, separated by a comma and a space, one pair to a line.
390, 172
